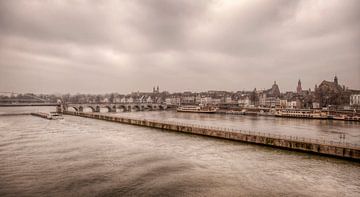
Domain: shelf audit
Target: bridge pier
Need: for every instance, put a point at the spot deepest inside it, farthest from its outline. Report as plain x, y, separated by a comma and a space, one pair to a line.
97, 109
112, 109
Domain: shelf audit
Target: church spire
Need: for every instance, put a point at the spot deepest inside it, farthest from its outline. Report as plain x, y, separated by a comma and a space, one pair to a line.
336, 80
299, 88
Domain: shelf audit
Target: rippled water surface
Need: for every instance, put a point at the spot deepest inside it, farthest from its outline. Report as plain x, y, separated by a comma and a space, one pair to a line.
86, 157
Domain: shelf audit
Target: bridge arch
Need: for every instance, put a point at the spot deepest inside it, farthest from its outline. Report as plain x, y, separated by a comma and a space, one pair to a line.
72, 108
136, 108
149, 107
123, 108
109, 109
91, 107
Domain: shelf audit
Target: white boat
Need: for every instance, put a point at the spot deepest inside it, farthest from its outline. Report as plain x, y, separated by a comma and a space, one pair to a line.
197, 109
301, 114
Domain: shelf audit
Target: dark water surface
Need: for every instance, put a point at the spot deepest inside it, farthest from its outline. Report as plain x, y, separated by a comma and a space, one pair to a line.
86, 157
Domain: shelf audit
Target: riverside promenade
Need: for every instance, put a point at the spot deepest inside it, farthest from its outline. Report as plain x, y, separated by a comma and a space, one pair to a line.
329, 148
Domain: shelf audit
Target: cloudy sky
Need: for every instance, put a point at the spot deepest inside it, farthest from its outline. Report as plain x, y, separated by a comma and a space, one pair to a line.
122, 46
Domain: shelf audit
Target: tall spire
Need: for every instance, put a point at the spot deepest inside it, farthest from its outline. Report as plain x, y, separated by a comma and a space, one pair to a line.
299, 88
336, 80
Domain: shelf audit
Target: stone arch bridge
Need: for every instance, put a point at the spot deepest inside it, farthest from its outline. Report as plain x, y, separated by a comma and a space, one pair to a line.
125, 107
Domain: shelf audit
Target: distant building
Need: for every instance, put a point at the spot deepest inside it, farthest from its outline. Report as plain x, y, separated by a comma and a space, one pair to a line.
331, 93
157, 90
206, 100
149, 100
283, 103
244, 101
293, 104
274, 91
355, 100
173, 101
299, 88
316, 105
188, 100
228, 99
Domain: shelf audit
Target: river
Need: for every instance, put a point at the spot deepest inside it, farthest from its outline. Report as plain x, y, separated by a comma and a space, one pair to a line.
86, 157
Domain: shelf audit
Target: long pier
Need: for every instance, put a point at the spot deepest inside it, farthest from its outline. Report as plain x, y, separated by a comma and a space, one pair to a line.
329, 148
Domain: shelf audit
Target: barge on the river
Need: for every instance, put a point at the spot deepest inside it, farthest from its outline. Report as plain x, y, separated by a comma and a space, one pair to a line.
197, 109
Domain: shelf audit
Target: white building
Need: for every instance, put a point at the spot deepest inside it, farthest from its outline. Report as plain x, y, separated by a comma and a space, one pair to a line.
149, 99
205, 100
245, 102
228, 99
130, 100
188, 100
355, 99
172, 101
316, 105
283, 103
292, 104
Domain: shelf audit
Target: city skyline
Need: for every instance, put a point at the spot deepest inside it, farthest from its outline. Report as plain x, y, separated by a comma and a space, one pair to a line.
156, 88
104, 47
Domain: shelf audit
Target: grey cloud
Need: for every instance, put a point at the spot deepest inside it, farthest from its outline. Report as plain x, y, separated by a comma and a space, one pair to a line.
106, 46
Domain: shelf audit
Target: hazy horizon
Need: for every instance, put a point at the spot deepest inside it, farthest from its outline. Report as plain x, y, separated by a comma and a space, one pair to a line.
128, 46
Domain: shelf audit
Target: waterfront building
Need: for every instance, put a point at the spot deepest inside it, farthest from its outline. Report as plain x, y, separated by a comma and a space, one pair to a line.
198, 99
228, 99
283, 103
188, 100
262, 99
355, 100
244, 101
292, 104
206, 100
331, 93
173, 101
316, 105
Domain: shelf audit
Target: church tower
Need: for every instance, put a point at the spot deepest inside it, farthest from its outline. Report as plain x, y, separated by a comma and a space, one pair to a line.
299, 88
336, 80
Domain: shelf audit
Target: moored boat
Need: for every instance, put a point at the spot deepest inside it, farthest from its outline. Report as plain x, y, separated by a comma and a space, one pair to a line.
197, 109
301, 114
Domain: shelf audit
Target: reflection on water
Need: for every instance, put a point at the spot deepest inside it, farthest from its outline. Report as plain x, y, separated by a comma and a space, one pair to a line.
86, 157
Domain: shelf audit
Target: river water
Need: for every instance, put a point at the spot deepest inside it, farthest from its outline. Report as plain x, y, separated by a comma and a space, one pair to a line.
86, 157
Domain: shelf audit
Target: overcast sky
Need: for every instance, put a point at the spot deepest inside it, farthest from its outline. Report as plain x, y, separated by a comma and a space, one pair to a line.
123, 46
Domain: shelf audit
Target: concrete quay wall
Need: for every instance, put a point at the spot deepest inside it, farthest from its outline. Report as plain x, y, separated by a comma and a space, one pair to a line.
315, 146
41, 115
